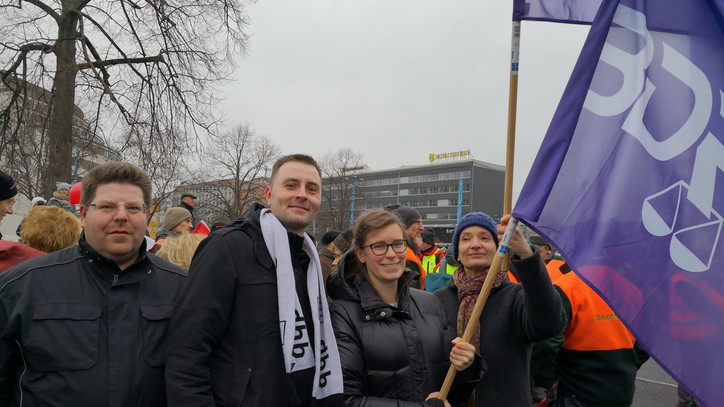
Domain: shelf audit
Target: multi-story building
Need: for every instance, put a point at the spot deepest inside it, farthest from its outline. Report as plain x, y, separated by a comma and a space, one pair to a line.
433, 189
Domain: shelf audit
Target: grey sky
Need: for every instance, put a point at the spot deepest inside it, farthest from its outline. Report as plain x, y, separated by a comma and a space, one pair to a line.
399, 79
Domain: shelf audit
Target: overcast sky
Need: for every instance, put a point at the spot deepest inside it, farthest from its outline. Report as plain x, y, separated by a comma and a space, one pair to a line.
399, 79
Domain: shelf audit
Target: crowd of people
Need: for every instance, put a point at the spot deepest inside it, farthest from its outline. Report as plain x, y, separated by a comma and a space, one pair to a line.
95, 313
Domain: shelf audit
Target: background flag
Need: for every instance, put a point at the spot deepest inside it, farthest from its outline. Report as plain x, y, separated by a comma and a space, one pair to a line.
562, 11
629, 181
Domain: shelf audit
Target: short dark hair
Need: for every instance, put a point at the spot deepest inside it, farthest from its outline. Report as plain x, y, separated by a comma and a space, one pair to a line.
302, 158
115, 172
329, 237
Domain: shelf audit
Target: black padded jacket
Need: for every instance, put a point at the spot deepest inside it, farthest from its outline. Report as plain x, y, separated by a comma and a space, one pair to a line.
393, 355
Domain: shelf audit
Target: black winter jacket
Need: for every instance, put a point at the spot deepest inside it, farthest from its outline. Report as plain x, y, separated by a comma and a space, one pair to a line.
393, 356
226, 347
87, 333
515, 316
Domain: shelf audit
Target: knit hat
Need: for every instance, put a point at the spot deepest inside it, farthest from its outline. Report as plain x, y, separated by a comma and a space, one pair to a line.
59, 186
343, 241
538, 241
174, 216
474, 219
7, 186
38, 200
409, 216
329, 237
428, 236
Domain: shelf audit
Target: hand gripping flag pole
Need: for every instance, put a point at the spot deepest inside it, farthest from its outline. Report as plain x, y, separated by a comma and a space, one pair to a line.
480, 303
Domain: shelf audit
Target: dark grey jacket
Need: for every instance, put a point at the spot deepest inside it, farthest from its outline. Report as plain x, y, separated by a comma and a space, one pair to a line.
226, 347
393, 356
515, 316
76, 331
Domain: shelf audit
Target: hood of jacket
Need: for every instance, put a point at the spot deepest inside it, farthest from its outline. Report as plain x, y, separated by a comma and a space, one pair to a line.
251, 225
12, 253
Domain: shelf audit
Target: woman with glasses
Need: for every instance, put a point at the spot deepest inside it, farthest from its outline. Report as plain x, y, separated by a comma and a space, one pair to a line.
395, 342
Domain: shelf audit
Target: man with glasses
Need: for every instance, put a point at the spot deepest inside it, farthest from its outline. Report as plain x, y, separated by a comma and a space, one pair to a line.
84, 326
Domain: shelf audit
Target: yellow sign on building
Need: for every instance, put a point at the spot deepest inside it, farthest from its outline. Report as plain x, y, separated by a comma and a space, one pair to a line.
455, 154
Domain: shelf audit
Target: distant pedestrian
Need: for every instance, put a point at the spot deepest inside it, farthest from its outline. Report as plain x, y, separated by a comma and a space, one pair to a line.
431, 254
175, 222
188, 202
61, 199
8, 190
326, 253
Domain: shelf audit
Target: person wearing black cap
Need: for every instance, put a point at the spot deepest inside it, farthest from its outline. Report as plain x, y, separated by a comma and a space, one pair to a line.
431, 254
187, 202
326, 253
8, 190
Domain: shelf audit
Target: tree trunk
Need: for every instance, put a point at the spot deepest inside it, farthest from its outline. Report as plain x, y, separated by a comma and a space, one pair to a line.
60, 132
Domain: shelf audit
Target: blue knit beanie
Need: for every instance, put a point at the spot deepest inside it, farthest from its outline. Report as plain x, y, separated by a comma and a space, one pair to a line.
474, 219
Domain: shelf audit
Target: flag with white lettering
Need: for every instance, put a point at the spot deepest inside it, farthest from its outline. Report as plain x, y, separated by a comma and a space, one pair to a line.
629, 180
561, 11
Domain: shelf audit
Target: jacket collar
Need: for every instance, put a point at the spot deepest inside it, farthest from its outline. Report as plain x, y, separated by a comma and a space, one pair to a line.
252, 226
88, 251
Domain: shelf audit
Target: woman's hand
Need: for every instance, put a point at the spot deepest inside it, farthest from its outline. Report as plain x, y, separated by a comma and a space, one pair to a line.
518, 244
435, 395
462, 354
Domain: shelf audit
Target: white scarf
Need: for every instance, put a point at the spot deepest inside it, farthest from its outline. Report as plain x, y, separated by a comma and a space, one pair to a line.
295, 339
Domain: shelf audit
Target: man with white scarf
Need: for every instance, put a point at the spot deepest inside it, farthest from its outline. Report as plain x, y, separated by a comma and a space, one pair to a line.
252, 327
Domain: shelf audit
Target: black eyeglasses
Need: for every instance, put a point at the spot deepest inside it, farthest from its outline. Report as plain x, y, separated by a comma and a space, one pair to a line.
380, 248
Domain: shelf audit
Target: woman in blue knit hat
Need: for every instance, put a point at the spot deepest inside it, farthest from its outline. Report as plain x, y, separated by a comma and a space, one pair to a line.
515, 315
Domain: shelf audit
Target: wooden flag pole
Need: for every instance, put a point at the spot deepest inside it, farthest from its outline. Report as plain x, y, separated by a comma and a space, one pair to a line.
512, 115
503, 257
480, 303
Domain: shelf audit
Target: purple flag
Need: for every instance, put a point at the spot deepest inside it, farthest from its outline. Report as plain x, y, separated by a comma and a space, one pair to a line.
561, 11
629, 180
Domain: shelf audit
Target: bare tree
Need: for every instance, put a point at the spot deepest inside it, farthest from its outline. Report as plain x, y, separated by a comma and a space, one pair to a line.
340, 169
238, 162
165, 163
152, 66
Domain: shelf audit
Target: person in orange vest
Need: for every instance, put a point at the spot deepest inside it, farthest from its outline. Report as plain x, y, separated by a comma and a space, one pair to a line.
546, 253
596, 359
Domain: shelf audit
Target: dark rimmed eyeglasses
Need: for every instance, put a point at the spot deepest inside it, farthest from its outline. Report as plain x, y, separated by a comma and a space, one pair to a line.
380, 248
109, 208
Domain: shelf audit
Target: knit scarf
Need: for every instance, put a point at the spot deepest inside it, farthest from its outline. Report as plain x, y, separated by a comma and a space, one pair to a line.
295, 338
64, 199
468, 290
